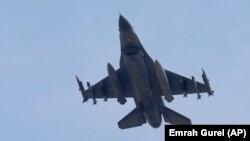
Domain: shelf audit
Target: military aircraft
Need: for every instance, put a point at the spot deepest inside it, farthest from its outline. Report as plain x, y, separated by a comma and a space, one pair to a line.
144, 80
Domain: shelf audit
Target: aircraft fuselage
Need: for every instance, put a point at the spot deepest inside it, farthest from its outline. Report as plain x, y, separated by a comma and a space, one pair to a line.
137, 69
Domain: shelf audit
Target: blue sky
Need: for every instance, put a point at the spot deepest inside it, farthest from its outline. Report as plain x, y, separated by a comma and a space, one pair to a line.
43, 44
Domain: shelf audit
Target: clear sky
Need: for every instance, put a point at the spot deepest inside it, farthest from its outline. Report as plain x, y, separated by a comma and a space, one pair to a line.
44, 43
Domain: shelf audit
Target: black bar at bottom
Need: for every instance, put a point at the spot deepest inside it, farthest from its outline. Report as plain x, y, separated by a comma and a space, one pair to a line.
221, 132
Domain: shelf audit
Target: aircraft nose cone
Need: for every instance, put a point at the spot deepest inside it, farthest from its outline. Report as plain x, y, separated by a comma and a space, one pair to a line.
124, 24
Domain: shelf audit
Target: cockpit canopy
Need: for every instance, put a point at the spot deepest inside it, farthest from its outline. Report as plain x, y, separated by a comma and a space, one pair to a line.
130, 50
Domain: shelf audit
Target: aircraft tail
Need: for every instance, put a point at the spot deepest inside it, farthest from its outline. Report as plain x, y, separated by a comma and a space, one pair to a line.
174, 117
133, 119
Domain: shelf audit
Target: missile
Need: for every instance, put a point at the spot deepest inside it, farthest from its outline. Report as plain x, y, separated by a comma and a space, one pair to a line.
163, 82
81, 89
206, 82
196, 88
104, 92
92, 92
116, 85
183, 84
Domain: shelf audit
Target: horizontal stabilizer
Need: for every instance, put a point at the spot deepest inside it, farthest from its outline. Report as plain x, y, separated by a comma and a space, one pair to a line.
133, 119
174, 118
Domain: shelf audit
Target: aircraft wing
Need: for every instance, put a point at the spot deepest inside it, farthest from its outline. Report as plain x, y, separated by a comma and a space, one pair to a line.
103, 88
182, 85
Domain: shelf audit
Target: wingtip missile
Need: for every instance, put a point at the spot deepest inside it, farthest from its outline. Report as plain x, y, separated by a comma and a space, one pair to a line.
79, 82
77, 78
203, 71
206, 82
81, 89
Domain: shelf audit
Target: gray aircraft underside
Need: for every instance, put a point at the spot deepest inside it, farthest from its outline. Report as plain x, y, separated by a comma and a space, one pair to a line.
144, 80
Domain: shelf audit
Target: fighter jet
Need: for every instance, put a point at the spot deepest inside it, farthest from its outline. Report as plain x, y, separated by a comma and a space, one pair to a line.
145, 81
